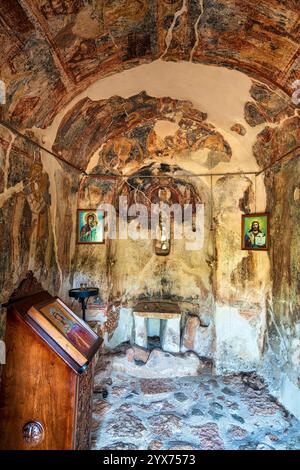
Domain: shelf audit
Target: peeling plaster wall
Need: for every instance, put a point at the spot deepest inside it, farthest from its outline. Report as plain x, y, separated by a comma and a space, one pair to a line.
92, 262
227, 113
237, 345
216, 91
183, 276
221, 284
37, 217
282, 358
189, 117
242, 277
128, 270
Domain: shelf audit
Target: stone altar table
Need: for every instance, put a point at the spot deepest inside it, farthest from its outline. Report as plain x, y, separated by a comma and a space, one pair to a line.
169, 315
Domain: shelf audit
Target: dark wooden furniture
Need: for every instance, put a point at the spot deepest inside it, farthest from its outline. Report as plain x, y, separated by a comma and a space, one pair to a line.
45, 397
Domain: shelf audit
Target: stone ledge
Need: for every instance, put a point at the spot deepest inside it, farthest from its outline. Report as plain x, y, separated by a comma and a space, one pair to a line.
161, 365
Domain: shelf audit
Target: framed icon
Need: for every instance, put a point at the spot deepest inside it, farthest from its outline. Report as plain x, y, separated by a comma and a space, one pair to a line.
90, 226
255, 232
72, 334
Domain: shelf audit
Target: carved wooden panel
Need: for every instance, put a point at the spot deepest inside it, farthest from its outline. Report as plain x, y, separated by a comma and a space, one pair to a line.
84, 409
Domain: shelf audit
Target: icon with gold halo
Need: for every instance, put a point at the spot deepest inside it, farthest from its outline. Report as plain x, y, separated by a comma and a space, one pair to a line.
90, 226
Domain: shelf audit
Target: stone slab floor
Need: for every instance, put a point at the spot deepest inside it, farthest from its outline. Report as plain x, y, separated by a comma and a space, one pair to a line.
189, 413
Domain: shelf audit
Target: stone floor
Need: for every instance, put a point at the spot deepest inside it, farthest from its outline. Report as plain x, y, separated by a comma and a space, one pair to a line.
189, 413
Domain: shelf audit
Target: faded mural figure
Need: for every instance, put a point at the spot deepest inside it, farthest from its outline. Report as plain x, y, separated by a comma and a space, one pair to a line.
77, 335
255, 237
2, 92
296, 94
88, 232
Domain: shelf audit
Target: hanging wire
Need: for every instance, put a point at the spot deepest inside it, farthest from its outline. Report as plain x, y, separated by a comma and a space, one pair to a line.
255, 189
211, 203
118, 175
81, 170
41, 147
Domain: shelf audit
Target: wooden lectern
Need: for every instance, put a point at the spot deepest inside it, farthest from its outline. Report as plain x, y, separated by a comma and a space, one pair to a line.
47, 381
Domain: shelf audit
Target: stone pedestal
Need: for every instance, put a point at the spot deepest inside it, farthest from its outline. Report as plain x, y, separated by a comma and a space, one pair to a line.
170, 338
169, 327
140, 331
191, 326
198, 338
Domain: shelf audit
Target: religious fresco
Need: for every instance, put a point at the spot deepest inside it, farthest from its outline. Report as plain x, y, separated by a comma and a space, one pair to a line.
75, 43
267, 106
30, 237
125, 133
274, 142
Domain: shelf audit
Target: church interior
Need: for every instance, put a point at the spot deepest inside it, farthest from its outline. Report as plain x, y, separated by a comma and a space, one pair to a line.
122, 334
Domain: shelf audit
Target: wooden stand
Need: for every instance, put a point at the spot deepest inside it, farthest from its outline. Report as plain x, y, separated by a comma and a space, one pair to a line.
45, 398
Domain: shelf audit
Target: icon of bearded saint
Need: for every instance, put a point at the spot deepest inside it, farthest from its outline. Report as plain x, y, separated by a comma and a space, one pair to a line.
89, 230
255, 238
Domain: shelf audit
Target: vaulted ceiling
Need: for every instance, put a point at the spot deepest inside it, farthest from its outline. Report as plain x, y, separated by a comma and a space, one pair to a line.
54, 49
